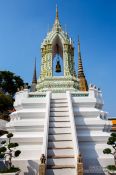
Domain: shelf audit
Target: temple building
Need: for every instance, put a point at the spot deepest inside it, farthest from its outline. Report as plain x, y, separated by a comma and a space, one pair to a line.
59, 124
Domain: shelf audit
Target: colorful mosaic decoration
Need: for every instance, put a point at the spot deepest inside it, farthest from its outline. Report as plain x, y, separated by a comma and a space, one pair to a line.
66, 50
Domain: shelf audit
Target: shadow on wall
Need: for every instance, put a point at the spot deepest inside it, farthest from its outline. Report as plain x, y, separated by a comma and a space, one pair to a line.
94, 163
92, 167
2, 165
29, 167
32, 168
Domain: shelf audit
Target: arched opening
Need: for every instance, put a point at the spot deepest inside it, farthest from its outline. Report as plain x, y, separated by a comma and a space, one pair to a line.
57, 58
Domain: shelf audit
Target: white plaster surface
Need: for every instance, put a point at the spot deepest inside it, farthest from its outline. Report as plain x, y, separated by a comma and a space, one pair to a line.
28, 123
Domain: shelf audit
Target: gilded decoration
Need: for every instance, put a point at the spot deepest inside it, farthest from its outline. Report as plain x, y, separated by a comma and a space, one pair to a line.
69, 80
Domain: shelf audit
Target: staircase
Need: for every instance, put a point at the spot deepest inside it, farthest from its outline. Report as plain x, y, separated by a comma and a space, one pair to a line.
60, 153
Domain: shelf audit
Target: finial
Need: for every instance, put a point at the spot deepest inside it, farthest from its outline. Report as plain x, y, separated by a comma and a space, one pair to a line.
56, 11
57, 25
78, 39
79, 158
78, 45
26, 86
43, 159
34, 74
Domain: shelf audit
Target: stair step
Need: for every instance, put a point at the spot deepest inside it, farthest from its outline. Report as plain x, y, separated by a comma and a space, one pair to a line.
60, 166
60, 171
58, 105
59, 130
61, 156
93, 136
54, 134
55, 114
59, 124
59, 116
58, 100
66, 119
60, 147
59, 109
60, 137
59, 97
59, 121
60, 144
61, 161
61, 152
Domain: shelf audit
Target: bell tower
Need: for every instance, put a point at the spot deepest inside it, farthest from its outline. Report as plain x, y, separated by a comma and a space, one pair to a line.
57, 42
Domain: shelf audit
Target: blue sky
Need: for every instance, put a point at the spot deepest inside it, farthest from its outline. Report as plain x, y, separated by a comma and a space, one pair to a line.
24, 24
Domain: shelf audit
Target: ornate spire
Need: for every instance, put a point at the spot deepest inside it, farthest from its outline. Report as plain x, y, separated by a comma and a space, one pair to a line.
57, 17
80, 66
57, 25
34, 81
81, 76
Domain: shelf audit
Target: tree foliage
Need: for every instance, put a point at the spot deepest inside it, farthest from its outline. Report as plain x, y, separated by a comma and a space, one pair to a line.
6, 102
111, 141
9, 82
107, 151
8, 151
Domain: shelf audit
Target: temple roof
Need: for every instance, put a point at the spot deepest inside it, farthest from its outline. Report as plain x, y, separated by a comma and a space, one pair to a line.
57, 31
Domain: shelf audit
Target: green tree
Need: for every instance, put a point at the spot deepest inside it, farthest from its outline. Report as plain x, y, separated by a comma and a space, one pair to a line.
9, 82
6, 105
7, 152
112, 142
6, 102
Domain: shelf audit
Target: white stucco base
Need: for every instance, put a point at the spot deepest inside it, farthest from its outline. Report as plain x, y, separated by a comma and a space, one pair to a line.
28, 124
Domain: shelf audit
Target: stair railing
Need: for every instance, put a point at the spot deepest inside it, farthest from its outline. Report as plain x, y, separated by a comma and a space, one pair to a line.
78, 158
43, 158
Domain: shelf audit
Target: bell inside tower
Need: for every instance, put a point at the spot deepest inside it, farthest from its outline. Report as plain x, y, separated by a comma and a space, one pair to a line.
57, 58
58, 66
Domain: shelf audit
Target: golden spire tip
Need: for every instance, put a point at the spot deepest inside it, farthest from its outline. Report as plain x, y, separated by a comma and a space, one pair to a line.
56, 11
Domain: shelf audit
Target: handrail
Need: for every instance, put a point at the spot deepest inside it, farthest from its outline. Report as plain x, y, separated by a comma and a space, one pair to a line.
46, 124
73, 127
